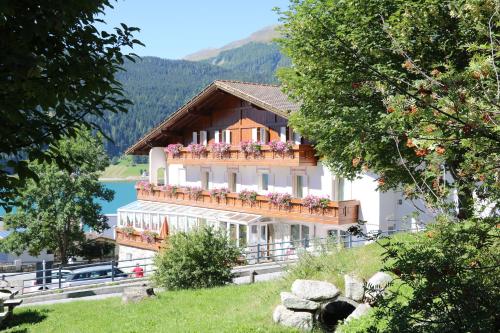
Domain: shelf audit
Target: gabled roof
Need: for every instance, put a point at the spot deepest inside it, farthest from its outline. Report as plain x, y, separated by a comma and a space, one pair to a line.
266, 96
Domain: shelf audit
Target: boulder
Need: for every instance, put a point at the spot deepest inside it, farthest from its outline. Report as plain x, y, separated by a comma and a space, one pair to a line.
354, 288
360, 310
136, 294
376, 285
314, 290
290, 301
296, 319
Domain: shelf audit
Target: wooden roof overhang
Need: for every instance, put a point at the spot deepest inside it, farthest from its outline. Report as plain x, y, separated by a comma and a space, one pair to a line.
194, 108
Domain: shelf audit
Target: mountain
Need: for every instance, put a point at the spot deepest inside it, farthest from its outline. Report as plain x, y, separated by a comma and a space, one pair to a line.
158, 87
265, 35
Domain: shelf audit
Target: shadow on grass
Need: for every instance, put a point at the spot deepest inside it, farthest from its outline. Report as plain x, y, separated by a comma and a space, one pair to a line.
24, 317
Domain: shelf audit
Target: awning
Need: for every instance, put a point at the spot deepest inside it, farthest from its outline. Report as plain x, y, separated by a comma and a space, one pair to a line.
141, 206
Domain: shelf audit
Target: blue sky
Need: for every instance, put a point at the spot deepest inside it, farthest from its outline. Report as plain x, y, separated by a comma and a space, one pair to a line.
175, 28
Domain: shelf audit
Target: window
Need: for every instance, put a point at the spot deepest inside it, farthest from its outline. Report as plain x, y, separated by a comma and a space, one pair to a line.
338, 189
195, 138
305, 235
264, 182
243, 235
226, 136
203, 137
205, 177
232, 231
232, 181
298, 186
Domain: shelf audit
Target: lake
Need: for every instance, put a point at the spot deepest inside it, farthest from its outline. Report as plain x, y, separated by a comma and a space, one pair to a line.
124, 194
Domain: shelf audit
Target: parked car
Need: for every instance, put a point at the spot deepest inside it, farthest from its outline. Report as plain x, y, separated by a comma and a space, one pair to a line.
54, 278
93, 274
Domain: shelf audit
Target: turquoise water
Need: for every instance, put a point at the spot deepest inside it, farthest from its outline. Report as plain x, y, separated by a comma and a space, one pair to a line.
124, 194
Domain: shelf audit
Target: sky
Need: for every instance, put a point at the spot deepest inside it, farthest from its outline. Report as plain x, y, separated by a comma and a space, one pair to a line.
175, 28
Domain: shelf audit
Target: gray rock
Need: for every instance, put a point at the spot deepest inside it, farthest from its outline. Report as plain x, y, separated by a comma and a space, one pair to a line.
290, 301
296, 319
314, 290
360, 310
376, 285
354, 288
136, 294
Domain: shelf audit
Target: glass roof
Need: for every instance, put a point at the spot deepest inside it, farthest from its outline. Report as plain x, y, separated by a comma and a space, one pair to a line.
141, 206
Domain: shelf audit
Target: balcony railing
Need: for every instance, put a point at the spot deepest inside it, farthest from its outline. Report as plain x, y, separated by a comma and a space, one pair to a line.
300, 155
336, 212
135, 239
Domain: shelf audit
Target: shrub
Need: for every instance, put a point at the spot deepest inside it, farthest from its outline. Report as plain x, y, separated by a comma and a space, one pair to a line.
202, 258
174, 149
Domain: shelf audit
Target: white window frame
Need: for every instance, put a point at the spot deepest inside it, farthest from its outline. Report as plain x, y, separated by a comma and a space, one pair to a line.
195, 138
203, 137
283, 134
304, 189
217, 136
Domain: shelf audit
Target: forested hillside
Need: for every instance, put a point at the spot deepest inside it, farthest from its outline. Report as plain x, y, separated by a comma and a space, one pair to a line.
158, 86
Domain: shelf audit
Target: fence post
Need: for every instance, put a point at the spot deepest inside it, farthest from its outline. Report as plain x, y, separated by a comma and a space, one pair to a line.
252, 276
258, 252
112, 270
43, 275
60, 276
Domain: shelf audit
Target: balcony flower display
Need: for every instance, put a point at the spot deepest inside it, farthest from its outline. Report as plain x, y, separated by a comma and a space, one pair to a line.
280, 147
248, 196
148, 236
219, 193
128, 231
251, 148
144, 185
170, 190
314, 202
194, 192
281, 200
221, 149
174, 149
197, 149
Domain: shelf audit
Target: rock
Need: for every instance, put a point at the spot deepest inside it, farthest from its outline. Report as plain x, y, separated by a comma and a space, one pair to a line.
354, 288
376, 285
314, 290
136, 294
296, 319
360, 310
290, 301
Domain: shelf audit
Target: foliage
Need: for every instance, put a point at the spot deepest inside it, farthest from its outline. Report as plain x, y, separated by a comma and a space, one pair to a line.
174, 149
57, 69
221, 149
194, 192
219, 193
251, 148
199, 259
280, 147
378, 93
248, 196
171, 190
282, 200
93, 249
448, 279
129, 230
50, 212
197, 149
144, 185
313, 202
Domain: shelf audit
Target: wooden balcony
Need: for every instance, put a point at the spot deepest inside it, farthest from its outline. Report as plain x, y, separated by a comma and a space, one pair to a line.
135, 239
301, 155
337, 212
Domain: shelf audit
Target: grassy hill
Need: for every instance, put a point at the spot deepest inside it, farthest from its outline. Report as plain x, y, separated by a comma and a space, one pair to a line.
125, 168
234, 308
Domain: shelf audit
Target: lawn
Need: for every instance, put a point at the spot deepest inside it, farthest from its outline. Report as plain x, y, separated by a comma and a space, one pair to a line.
125, 168
234, 308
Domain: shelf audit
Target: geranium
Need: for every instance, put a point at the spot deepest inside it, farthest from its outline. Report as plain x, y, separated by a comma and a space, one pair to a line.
248, 196
197, 149
194, 192
281, 147
219, 193
148, 236
174, 149
144, 185
312, 202
127, 230
171, 190
220, 149
282, 200
251, 148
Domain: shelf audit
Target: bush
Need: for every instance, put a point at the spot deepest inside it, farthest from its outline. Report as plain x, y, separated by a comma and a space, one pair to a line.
199, 259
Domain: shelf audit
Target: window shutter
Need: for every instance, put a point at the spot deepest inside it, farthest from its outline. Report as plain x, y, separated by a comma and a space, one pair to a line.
228, 136
195, 137
254, 134
216, 136
203, 137
283, 134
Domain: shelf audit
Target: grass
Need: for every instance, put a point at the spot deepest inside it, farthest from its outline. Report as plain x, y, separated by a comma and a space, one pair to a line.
125, 168
234, 308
